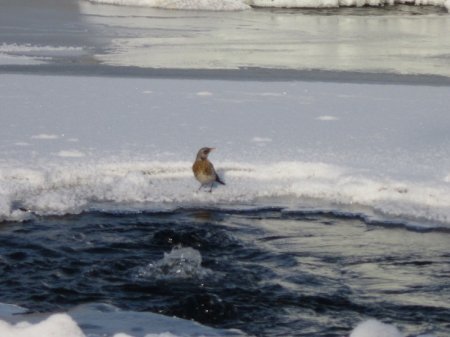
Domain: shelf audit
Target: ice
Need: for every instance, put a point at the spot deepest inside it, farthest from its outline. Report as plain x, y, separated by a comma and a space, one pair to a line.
383, 148
50, 327
6, 59
261, 139
374, 328
279, 39
216, 5
327, 118
45, 136
70, 189
71, 154
28, 54
344, 3
35, 49
101, 320
243, 4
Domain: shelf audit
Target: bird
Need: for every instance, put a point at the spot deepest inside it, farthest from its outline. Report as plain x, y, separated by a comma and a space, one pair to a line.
204, 170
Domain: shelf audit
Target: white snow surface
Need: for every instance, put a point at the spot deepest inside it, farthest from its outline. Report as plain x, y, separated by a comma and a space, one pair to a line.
345, 3
28, 54
101, 320
375, 328
216, 5
106, 320
232, 5
71, 144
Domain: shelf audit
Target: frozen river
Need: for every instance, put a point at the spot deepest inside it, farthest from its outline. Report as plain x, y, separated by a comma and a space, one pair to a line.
393, 39
331, 128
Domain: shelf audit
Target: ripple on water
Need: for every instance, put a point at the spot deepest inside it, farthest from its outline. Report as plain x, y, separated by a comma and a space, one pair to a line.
260, 271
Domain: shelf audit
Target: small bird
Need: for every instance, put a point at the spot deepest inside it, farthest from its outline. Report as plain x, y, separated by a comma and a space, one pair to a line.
204, 170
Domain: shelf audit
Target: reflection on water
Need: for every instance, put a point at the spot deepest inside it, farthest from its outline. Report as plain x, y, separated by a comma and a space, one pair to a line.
391, 39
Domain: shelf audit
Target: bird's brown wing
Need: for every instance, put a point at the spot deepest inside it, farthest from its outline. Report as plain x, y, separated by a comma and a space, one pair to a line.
217, 178
209, 168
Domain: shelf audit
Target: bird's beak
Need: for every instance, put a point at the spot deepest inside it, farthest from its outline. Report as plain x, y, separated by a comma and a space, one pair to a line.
212, 148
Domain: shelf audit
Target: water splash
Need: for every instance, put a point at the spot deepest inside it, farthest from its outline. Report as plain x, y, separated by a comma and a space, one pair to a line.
180, 263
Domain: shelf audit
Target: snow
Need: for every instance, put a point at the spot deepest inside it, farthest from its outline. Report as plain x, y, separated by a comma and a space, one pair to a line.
6, 59
243, 4
71, 144
374, 328
216, 5
28, 54
50, 327
396, 41
108, 321
345, 3
101, 320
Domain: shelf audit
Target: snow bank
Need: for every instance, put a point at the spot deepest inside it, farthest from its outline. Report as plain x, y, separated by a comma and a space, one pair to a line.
231, 5
345, 3
375, 328
112, 319
53, 326
67, 189
213, 5
56, 325
96, 319
73, 144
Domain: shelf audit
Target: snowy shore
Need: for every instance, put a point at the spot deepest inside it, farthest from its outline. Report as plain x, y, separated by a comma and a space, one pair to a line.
72, 143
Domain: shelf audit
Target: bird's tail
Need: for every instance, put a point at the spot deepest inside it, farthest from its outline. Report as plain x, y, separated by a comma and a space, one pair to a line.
219, 180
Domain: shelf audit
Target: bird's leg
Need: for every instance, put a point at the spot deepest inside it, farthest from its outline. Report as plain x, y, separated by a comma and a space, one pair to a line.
210, 189
201, 185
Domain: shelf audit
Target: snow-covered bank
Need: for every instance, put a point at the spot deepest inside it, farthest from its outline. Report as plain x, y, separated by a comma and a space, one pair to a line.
344, 3
95, 320
108, 321
214, 5
232, 5
126, 186
71, 144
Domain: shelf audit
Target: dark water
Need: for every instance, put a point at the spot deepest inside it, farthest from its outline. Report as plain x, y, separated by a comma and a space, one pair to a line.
267, 272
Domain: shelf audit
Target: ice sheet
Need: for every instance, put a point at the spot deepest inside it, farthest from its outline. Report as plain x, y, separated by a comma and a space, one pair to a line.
95, 320
72, 143
289, 39
242, 4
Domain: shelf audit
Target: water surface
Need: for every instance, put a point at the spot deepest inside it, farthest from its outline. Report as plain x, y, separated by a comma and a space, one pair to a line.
266, 272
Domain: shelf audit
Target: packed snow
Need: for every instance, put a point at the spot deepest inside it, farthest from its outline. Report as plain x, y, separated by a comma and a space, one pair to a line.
232, 5
108, 321
375, 328
101, 320
28, 54
379, 151
217, 5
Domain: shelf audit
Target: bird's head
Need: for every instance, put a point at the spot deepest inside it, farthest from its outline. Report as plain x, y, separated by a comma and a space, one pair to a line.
204, 152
